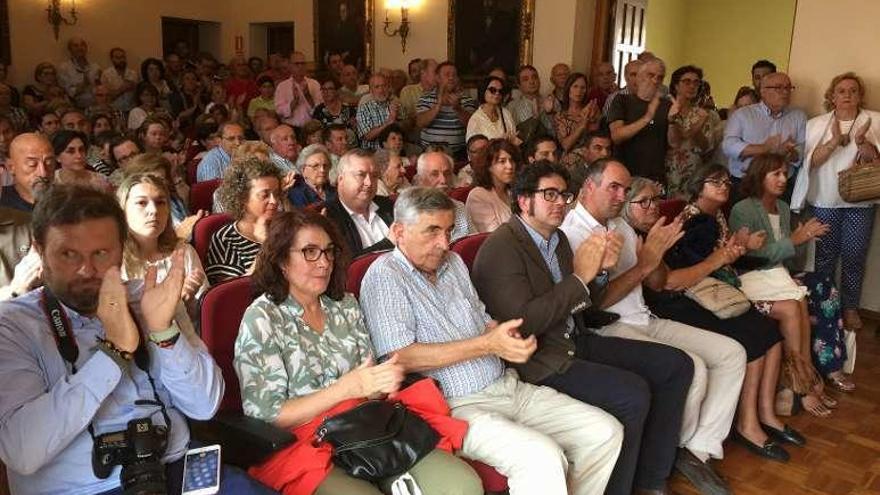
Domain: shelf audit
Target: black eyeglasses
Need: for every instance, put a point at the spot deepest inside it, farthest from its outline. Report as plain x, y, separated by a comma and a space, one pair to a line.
646, 203
719, 182
551, 194
496, 91
313, 253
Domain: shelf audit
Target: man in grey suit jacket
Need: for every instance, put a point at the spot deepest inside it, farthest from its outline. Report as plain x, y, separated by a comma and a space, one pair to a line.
526, 269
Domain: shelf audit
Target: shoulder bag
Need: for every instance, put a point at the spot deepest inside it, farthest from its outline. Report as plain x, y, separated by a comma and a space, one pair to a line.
722, 299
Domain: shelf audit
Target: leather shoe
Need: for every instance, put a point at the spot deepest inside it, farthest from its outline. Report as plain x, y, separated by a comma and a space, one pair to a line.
786, 434
700, 474
770, 450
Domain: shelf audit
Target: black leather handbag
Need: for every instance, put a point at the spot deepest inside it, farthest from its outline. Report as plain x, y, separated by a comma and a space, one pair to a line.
377, 439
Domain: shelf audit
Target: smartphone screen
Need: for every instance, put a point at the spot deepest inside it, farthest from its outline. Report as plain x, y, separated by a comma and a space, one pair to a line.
202, 471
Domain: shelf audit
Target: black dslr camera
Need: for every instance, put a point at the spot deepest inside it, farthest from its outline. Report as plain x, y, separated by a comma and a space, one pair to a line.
139, 450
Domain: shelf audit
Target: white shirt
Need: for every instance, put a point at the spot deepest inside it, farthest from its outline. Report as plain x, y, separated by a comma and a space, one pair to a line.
113, 80
480, 123
578, 225
372, 229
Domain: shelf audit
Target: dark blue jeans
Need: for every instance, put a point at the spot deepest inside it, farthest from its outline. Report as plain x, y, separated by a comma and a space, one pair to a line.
233, 481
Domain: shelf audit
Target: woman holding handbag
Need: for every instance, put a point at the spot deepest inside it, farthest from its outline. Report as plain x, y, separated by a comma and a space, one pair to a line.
845, 136
763, 210
303, 352
701, 252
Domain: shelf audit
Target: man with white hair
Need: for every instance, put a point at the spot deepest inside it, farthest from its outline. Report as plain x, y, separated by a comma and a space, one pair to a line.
640, 121
362, 217
434, 169
285, 148
419, 305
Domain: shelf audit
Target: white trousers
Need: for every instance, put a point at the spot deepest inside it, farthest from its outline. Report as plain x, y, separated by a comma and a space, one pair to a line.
543, 441
719, 368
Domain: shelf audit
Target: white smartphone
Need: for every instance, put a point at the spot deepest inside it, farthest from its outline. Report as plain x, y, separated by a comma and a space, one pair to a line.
201, 471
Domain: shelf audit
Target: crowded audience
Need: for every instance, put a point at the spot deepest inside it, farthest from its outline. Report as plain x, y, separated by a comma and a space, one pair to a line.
576, 346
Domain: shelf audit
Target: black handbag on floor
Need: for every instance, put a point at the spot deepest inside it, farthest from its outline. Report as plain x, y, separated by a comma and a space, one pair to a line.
377, 439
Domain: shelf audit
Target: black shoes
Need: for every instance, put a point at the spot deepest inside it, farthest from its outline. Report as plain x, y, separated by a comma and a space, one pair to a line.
785, 435
700, 474
770, 450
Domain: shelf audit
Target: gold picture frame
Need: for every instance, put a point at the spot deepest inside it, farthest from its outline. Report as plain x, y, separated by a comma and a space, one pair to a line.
513, 19
330, 33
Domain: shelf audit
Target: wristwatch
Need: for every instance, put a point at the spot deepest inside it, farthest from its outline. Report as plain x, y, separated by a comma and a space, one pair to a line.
601, 278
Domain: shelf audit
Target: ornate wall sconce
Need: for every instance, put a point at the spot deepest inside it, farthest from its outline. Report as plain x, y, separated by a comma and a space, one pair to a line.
403, 29
56, 16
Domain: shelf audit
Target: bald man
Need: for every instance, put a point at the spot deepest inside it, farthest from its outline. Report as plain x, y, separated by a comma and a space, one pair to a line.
32, 165
297, 97
77, 75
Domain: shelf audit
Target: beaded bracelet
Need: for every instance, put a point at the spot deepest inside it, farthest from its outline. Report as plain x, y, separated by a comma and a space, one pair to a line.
108, 346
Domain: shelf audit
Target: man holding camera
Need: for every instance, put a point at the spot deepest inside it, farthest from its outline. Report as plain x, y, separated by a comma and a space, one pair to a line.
95, 391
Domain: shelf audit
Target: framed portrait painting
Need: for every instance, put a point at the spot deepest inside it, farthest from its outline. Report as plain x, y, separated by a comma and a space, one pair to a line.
344, 27
484, 34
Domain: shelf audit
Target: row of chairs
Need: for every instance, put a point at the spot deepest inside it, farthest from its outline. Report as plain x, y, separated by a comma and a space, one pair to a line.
223, 307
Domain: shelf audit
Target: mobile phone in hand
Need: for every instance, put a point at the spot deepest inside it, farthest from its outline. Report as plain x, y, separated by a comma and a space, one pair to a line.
201, 471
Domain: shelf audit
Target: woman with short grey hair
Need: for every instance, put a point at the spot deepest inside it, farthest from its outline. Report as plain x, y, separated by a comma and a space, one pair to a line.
313, 185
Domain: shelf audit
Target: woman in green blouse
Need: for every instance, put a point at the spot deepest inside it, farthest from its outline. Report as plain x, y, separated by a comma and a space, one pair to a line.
303, 348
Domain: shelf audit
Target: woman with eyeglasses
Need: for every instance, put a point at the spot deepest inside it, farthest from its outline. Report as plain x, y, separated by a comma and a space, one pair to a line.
313, 185
815, 328
251, 193
303, 353
847, 135
575, 120
35, 98
693, 133
697, 255
491, 119
488, 203
333, 110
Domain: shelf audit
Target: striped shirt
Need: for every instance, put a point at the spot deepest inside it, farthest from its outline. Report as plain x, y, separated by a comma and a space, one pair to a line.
213, 165
402, 307
230, 254
371, 115
446, 129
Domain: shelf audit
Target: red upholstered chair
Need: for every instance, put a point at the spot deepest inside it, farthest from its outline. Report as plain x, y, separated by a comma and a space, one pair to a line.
670, 208
192, 168
467, 247
410, 171
204, 229
245, 440
492, 481
356, 271
201, 196
460, 193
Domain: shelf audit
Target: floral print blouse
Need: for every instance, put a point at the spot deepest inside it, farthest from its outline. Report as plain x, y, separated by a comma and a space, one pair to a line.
279, 357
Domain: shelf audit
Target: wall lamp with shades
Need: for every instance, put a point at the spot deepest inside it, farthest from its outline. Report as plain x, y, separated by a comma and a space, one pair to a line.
403, 28
57, 17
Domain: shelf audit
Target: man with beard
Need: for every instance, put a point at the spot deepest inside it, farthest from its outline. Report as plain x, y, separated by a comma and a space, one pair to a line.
67, 349
32, 165
434, 170
120, 81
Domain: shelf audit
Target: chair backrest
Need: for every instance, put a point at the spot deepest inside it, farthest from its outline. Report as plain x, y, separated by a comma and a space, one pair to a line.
410, 172
204, 229
201, 196
460, 193
467, 247
356, 271
222, 309
670, 208
192, 169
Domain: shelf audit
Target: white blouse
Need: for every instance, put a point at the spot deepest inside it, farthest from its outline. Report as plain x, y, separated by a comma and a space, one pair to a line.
818, 185
480, 123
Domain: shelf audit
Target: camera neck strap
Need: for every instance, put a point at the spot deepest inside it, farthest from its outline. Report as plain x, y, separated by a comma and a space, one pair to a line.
67, 347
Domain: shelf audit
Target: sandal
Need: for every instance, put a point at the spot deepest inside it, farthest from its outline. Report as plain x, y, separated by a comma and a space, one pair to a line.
814, 406
830, 402
840, 382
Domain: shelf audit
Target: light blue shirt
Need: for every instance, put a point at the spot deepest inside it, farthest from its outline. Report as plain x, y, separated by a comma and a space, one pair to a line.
45, 410
213, 165
753, 125
284, 165
402, 307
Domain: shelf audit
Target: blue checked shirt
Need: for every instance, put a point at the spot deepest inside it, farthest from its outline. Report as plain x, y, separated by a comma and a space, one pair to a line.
402, 307
371, 115
213, 165
753, 125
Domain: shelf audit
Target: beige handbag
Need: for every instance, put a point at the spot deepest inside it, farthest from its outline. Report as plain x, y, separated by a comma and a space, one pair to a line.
861, 182
721, 298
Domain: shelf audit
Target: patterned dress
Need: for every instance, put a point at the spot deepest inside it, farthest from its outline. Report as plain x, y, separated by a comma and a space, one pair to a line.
564, 124
278, 356
683, 161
